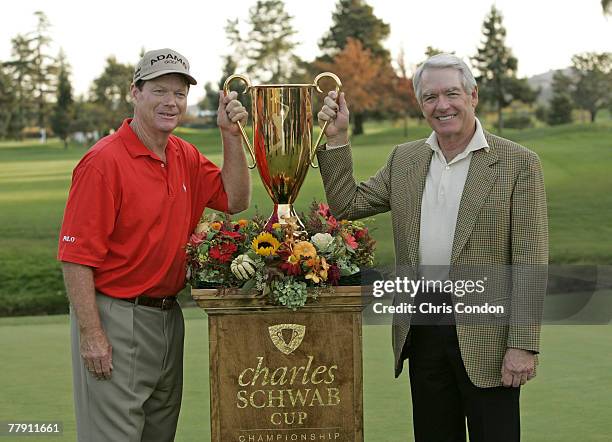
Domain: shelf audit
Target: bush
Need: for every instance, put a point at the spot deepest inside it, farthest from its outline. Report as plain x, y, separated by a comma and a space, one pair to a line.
541, 113
35, 304
518, 122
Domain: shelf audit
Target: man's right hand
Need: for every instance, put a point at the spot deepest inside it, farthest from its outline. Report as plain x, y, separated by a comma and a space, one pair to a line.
97, 353
337, 116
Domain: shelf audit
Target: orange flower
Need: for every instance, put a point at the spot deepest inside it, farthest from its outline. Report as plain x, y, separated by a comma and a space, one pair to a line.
318, 269
304, 250
216, 225
243, 222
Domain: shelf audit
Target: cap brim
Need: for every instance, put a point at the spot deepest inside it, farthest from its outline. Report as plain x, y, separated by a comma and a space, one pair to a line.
153, 75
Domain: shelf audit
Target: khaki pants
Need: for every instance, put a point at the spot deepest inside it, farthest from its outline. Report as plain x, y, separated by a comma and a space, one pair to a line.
142, 400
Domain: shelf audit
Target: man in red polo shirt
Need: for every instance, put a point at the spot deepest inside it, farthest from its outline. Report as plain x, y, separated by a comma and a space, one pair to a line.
135, 198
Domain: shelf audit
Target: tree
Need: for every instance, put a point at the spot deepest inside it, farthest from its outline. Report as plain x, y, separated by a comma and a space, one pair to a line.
7, 101
62, 115
111, 90
44, 68
32, 72
89, 118
19, 69
270, 44
431, 51
211, 92
359, 72
211, 96
497, 68
561, 103
593, 86
405, 98
355, 19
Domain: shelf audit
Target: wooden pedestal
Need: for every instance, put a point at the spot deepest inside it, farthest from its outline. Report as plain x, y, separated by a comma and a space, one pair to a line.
278, 375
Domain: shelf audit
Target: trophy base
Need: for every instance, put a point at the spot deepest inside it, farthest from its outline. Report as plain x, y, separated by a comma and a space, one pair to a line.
284, 214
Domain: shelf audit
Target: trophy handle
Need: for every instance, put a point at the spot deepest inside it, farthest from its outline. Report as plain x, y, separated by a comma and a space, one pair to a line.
226, 90
313, 149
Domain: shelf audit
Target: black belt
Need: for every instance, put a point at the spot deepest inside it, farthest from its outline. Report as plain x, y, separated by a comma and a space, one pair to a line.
165, 303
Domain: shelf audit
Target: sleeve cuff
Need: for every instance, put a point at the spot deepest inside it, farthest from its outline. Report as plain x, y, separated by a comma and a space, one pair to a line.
328, 147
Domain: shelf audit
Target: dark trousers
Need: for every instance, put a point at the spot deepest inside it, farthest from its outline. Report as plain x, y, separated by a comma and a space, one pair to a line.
443, 396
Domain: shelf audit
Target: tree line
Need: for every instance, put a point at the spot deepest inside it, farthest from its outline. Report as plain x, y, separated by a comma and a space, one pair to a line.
36, 92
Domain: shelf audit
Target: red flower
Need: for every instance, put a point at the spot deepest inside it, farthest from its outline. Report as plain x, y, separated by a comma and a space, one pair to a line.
197, 238
324, 210
291, 269
233, 235
361, 233
332, 223
350, 240
333, 274
223, 252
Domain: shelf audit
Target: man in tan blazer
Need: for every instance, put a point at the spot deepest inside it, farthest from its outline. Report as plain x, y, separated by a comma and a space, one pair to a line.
462, 197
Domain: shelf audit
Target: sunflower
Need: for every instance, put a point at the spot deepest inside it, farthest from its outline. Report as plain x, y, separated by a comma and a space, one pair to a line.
265, 244
304, 250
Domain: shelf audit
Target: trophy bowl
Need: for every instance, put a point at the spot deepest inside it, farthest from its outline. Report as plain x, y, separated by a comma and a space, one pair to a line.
282, 148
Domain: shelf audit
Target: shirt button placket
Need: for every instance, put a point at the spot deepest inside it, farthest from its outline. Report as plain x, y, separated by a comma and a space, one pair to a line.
443, 182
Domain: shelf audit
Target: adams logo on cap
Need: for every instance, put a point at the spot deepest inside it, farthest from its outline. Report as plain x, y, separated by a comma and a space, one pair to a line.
169, 58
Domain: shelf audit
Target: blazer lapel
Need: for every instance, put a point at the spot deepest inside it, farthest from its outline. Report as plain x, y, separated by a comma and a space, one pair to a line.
416, 174
480, 179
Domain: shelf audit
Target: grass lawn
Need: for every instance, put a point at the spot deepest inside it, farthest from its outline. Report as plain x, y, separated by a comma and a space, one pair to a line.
568, 401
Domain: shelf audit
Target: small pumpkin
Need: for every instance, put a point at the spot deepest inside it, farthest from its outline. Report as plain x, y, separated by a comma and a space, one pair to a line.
243, 267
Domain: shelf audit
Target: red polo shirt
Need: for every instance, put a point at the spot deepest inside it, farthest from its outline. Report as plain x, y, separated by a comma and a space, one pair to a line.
129, 215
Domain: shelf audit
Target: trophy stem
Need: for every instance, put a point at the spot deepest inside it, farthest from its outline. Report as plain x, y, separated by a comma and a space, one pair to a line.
283, 212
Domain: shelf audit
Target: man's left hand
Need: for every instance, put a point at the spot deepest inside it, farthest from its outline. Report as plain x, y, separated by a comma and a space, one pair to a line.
230, 112
518, 367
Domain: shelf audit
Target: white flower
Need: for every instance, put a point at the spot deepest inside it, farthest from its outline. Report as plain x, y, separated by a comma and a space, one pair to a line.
322, 241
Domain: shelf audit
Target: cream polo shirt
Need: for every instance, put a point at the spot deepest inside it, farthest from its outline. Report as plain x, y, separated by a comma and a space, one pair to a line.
440, 204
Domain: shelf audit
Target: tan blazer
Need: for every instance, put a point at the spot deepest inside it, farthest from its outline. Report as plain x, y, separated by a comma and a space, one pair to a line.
502, 220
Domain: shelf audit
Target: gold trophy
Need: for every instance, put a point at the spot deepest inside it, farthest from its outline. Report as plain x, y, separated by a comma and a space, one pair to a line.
282, 146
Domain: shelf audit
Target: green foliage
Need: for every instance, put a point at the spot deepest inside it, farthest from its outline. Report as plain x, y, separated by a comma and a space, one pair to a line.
430, 51
44, 67
210, 101
561, 104
593, 87
541, 113
7, 101
289, 292
88, 118
62, 115
497, 68
521, 121
32, 71
211, 97
111, 91
270, 42
20, 72
355, 19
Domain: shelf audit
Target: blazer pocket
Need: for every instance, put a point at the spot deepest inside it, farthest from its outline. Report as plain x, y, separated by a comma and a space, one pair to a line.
504, 307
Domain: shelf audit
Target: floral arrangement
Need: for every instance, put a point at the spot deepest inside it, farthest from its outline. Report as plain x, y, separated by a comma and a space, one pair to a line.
279, 260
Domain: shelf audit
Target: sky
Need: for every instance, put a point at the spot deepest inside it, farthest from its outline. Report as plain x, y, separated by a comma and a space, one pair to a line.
543, 34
